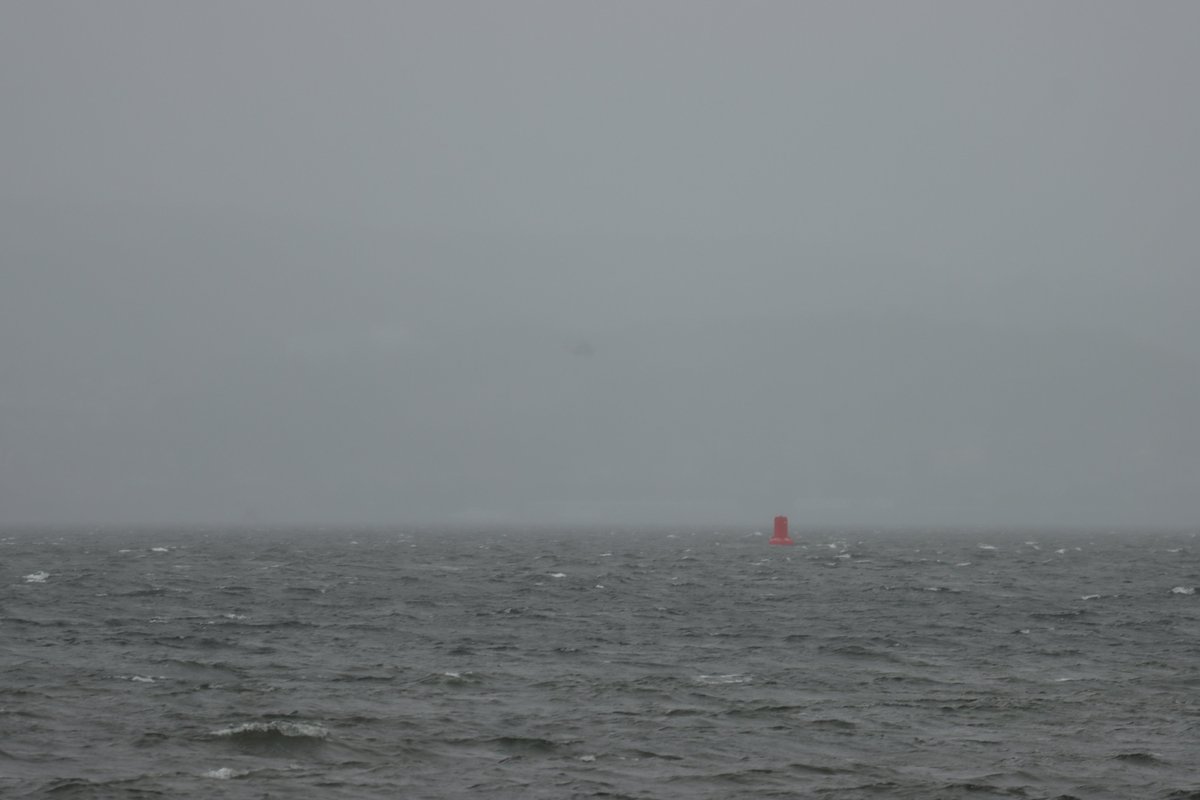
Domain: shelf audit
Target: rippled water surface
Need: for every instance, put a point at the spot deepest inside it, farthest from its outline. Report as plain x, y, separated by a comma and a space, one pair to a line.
689, 664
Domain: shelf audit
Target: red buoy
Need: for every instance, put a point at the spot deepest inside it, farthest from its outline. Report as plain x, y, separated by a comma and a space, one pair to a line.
781, 532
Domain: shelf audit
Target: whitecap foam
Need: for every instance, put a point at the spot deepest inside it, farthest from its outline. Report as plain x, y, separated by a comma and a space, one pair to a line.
37, 577
295, 729
225, 773
558, 574
1184, 590
730, 678
451, 677
160, 550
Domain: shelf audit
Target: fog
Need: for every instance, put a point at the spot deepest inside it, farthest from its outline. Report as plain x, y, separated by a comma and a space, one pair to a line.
871, 264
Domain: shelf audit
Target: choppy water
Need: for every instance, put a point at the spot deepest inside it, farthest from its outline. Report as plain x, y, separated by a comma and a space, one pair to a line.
686, 665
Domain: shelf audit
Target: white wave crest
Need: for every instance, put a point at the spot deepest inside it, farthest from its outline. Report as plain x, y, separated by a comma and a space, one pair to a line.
1184, 590
297, 729
37, 577
731, 678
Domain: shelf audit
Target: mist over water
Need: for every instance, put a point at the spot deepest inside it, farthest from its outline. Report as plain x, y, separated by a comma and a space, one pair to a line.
882, 265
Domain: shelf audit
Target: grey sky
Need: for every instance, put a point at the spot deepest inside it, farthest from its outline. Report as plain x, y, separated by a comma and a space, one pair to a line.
871, 263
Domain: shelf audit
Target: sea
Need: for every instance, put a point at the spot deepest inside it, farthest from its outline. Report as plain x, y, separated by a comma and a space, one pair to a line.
658, 663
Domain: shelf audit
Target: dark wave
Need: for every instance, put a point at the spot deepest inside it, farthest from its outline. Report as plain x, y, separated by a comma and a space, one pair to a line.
1142, 759
273, 738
